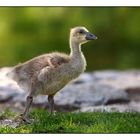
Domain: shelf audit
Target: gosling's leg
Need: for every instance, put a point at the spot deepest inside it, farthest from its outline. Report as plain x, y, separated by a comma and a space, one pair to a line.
51, 104
24, 116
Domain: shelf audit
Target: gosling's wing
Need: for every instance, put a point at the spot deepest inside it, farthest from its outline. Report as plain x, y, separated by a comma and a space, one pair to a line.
56, 60
30, 68
36, 67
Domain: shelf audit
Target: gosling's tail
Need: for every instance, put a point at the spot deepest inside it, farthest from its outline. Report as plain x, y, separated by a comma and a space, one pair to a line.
11, 74
23, 83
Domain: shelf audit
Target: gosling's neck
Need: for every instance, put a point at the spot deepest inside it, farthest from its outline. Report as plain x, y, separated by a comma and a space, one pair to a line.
78, 61
75, 49
77, 57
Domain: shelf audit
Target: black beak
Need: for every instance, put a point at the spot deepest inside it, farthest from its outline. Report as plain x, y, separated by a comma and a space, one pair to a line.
90, 36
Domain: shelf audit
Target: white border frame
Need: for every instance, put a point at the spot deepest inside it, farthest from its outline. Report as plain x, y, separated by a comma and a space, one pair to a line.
69, 136
69, 2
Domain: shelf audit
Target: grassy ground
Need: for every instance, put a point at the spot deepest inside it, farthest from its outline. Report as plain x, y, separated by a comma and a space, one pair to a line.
77, 123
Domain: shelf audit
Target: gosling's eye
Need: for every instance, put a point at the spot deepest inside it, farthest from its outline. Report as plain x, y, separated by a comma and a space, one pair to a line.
81, 31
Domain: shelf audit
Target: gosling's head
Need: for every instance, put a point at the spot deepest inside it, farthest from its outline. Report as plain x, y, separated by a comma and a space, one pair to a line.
81, 35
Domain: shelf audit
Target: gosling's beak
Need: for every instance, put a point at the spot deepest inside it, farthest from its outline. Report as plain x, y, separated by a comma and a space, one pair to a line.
90, 36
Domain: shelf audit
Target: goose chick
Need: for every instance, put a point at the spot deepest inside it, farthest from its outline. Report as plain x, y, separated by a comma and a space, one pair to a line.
48, 73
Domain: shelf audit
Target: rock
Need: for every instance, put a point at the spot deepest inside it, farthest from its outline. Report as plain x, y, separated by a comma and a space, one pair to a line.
84, 78
118, 79
130, 107
89, 94
9, 123
90, 89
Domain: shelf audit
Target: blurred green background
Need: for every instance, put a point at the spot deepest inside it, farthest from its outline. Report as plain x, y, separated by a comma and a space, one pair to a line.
26, 32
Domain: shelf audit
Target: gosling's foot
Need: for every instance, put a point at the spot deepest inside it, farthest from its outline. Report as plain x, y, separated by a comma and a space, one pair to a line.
26, 119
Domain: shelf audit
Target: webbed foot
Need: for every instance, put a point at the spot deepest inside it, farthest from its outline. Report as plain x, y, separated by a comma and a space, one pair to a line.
26, 119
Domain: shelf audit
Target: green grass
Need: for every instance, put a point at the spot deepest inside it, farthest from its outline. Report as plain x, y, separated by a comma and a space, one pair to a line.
77, 123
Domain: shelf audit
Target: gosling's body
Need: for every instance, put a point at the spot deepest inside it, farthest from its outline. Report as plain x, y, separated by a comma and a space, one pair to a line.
49, 73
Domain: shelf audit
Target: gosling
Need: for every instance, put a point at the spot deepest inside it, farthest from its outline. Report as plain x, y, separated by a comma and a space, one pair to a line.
48, 73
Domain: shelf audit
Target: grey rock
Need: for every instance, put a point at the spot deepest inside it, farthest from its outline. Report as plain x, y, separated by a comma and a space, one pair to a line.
130, 107
89, 94
90, 89
118, 79
9, 123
